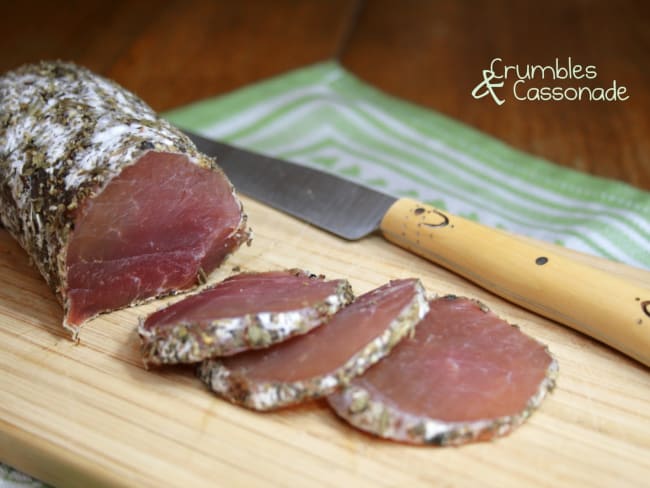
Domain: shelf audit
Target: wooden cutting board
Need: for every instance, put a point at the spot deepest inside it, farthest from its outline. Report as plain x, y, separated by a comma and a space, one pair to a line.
89, 414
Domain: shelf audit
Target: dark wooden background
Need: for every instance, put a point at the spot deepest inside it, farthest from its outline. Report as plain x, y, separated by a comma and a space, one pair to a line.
429, 52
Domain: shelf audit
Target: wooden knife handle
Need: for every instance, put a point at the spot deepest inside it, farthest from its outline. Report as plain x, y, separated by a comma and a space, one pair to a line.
601, 305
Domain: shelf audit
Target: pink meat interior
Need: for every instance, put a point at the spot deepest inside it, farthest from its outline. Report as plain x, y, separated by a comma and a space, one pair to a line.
148, 232
327, 348
461, 365
247, 293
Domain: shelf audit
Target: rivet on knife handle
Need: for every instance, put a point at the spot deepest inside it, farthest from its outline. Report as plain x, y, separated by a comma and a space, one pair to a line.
596, 303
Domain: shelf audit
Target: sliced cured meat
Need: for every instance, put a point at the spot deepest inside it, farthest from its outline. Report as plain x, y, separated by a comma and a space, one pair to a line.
112, 203
246, 311
315, 364
153, 229
464, 375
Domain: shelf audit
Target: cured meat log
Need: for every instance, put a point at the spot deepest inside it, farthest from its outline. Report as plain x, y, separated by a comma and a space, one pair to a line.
315, 364
465, 375
112, 203
246, 311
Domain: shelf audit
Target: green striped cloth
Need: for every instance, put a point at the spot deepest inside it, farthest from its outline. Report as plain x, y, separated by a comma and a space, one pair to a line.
322, 116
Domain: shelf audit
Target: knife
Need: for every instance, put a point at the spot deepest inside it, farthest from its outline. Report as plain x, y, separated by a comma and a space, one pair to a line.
601, 305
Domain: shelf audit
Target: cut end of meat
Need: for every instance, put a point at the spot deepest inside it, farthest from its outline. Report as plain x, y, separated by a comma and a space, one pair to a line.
246, 311
315, 364
156, 228
465, 375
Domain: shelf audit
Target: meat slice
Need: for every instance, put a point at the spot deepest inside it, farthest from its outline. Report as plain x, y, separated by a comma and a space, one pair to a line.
246, 311
315, 364
112, 203
464, 375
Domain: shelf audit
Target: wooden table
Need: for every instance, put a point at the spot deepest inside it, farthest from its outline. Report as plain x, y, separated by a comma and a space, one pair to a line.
429, 52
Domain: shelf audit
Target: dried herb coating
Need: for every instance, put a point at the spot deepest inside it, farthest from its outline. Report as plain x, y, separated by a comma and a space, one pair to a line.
65, 132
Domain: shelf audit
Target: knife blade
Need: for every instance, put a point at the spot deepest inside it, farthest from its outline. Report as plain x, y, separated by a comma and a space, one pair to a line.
337, 205
599, 304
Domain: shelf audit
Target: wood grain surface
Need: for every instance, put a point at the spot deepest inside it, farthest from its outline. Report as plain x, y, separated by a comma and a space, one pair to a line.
89, 414
429, 52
